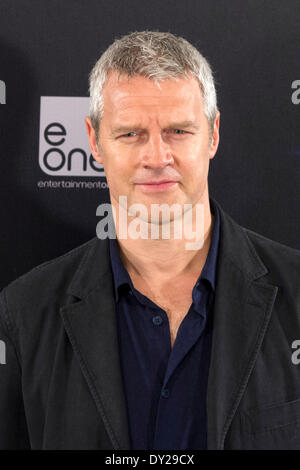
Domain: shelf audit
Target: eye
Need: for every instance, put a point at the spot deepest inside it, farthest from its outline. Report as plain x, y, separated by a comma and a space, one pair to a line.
179, 131
128, 134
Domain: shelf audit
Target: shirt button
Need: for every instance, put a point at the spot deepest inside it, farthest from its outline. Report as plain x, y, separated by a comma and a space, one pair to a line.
165, 393
157, 320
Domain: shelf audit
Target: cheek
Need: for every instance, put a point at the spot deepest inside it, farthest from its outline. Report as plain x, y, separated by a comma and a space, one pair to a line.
115, 165
194, 170
117, 174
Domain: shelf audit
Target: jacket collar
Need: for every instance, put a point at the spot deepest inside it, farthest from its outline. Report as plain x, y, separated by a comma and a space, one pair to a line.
242, 309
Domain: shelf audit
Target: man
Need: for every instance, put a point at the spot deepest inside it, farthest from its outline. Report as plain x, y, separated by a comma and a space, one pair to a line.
140, 342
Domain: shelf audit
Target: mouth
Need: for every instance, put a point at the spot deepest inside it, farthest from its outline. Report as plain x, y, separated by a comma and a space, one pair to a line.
157, 186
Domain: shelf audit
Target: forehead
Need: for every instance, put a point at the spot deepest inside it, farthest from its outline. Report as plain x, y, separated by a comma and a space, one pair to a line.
122, 93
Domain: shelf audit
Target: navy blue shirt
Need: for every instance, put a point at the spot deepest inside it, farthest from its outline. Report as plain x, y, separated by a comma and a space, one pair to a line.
165, 387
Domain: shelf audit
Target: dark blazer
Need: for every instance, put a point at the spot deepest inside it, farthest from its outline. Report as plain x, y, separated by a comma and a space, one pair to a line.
61, 385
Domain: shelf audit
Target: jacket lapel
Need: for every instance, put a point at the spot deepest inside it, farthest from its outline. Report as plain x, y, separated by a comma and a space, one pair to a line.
242, 310
92, 329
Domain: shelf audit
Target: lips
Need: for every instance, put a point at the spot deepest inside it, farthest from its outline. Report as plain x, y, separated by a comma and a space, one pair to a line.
158, 182
153, 186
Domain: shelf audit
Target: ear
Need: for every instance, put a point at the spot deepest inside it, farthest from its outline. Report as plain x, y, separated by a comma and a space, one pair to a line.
92, 140
215, 137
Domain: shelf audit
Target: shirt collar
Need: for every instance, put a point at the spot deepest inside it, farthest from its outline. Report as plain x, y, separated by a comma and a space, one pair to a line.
122, 279
120, 274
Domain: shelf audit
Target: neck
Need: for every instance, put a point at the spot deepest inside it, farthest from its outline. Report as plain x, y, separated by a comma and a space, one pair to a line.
153, 259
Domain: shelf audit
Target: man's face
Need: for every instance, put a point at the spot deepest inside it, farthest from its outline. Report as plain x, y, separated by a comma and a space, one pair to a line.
148, 135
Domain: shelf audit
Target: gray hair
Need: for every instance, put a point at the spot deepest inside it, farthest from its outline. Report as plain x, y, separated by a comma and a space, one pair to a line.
155, 55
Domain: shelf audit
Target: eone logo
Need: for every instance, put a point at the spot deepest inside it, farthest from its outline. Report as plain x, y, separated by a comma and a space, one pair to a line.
64, 148
54, 135
2, 92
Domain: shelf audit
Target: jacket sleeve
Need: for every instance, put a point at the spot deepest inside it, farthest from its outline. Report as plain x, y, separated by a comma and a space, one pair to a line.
13, 428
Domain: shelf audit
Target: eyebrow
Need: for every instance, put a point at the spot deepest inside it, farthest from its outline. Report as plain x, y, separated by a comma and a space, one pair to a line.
174, 125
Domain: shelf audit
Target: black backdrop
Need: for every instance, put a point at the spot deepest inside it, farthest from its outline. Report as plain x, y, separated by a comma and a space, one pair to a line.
47, 48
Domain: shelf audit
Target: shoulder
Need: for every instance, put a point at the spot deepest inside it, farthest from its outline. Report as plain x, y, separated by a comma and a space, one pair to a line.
44, 285
282, 261
53, 270
272, 247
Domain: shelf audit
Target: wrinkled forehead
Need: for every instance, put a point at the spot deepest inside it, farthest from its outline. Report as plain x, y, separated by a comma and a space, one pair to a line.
123, 93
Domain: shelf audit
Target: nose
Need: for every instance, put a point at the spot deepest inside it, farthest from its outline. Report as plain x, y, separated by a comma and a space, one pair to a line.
156, 153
